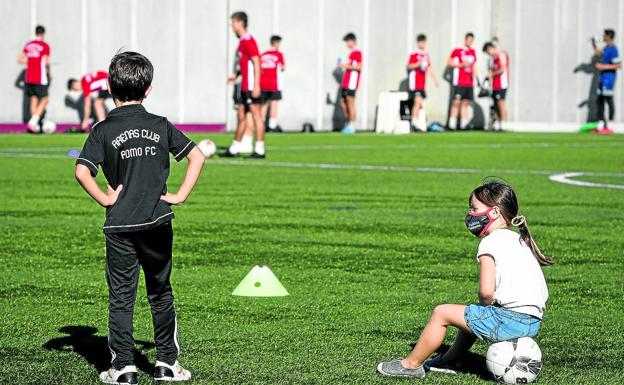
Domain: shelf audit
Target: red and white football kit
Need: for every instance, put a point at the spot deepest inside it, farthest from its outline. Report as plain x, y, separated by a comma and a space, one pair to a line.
500, 81
271, 63
351, 78
36, 51
247, 49
94, 81
417, 76
463, 76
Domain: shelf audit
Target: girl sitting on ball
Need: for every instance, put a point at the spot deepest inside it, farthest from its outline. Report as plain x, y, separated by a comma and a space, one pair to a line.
512, 288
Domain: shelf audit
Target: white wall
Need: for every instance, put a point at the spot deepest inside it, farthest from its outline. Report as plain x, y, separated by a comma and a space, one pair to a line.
192, 47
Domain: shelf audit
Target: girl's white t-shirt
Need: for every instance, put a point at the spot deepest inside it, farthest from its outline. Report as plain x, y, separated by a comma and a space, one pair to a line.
520, 284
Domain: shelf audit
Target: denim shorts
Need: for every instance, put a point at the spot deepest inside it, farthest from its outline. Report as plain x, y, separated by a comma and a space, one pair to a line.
494, 324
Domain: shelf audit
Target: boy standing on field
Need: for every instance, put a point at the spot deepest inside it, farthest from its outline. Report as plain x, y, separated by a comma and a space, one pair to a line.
36, 56
132, 146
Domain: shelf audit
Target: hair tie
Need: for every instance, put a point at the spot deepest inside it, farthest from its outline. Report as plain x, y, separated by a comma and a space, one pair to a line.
518, 220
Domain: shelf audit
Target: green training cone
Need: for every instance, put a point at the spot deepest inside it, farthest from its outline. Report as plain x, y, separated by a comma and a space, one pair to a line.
260, 282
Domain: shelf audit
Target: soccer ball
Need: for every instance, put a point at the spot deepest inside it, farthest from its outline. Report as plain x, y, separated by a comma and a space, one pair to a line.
207, 147
48, 127
516, 361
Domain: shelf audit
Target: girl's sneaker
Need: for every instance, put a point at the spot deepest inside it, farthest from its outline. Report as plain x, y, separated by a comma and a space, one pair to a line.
125, 376
175, 372
436, 364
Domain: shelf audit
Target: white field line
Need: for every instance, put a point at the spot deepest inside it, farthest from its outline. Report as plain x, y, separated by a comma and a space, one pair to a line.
553, 175
337, 147
566, 178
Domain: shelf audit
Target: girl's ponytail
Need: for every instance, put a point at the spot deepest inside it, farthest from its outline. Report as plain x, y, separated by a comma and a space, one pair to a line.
520, 222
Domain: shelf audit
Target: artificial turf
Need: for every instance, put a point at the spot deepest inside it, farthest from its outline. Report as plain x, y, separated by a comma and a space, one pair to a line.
366, 233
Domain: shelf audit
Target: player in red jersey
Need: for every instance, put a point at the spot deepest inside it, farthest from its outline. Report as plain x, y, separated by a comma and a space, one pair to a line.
36, 56
462, 61
498, 74
350, 81
94, 89
418, 66
251, 98
272, 63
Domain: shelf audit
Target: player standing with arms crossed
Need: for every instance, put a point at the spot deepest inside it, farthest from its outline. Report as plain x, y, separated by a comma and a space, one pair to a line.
95, 92
418, 66
36, 56
499, 78
462, 61
350, 82
132, 146
249, 60
610, 62
272, 63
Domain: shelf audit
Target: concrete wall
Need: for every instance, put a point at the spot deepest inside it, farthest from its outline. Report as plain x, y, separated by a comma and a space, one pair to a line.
192, 47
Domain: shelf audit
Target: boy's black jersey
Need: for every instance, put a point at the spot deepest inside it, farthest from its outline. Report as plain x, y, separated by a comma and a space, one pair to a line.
132, 146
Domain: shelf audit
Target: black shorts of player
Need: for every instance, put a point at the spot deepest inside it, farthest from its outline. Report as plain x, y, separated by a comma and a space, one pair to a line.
102, 94
463, 93
412, 94
344, 92
271, 95
499, 95
247, 99
38, 90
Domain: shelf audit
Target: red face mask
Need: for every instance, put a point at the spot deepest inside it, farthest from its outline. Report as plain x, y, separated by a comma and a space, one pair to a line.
478, 223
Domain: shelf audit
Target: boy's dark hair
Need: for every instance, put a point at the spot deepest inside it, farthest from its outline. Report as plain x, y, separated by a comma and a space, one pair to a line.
39, 30
130, 75
609, 32
421, 37
275, 39
488, 45
240, 16
70, 82
349, 36
496, 193
469, 34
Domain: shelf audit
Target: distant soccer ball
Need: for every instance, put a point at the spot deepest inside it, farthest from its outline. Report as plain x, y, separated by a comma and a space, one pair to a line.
48, 127
516, 361
207, 147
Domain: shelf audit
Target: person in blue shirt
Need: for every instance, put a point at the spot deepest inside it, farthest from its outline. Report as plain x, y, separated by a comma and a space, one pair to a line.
609, 63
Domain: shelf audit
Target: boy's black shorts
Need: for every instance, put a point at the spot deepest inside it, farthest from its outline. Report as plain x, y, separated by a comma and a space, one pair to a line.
499, 95
271, 95
38, 90
248, 99
344, 92
463, 93
412, 94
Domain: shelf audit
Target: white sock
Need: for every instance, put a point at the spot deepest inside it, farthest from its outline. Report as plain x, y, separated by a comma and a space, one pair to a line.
34, 119
414, 121
247, 141
352, 125
234, 147
272, 123
464, 123
259, 148
452, 122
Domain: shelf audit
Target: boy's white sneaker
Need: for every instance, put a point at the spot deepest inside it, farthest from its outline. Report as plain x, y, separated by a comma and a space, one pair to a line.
175, 372
125, 376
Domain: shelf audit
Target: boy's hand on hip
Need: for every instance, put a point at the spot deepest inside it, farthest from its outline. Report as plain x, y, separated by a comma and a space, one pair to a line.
113, 194
172, 199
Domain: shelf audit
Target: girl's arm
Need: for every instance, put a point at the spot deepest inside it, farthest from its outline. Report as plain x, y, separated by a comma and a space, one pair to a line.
487, 280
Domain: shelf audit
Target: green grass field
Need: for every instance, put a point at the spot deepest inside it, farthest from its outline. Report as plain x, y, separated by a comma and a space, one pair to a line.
366, 233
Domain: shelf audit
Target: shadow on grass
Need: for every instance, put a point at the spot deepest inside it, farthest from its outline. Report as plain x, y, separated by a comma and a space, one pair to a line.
471, 363
84, 341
